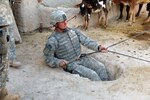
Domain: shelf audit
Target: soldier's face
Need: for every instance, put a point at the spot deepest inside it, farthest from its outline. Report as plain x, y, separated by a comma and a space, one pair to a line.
62, 25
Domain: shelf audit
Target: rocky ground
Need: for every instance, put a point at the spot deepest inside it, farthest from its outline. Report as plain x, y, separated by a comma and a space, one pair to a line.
130, 77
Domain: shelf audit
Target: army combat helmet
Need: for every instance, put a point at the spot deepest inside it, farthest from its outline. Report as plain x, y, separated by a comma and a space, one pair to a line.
57, 16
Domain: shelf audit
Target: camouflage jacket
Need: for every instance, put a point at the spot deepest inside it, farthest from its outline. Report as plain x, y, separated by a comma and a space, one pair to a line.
66, 46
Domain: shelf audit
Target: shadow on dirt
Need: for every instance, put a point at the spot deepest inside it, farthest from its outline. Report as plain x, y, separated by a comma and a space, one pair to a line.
144, 37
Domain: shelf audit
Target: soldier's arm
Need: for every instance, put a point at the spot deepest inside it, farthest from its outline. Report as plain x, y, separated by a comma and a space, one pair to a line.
49, 51
86, 41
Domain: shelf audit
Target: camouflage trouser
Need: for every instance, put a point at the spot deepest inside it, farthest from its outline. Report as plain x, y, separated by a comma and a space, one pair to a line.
12, 46
90, 68
3, 70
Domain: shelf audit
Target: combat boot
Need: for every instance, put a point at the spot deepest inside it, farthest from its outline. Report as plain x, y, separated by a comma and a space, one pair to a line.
4, 95
14, 64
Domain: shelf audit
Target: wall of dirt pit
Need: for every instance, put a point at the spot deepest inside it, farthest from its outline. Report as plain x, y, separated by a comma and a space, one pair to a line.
129, 78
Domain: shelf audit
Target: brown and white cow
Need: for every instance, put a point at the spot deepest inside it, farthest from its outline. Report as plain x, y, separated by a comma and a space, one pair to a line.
87, 7
148, 17
137, 14
132, 4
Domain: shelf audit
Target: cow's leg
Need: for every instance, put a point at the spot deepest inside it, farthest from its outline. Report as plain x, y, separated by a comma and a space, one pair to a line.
147, 20
98, 19
86, 21
133, 16
87, 24
121, 11
140, 7
148, 17
132, 13
127, 10
106, 17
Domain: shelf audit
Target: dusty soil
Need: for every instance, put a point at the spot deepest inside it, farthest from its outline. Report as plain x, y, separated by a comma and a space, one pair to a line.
130, 77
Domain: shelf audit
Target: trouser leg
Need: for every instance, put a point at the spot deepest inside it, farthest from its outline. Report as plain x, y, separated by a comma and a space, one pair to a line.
96, 66
83, 71
12, 46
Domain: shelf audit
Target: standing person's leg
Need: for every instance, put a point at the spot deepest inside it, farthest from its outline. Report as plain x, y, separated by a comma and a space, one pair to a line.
12, 50
4, 95
96, 66
76, 68
4, 64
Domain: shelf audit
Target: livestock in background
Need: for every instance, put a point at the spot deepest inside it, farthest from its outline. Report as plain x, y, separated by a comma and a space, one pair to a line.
101, 7
148, 9
132, 4
137, 14
121, 5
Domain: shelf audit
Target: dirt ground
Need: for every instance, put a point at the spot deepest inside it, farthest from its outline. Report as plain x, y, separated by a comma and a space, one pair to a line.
130, 77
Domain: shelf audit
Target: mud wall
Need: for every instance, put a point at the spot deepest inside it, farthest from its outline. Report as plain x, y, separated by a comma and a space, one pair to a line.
30, 13
26, 14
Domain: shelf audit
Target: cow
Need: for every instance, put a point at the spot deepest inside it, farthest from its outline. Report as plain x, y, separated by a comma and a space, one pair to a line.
137, 14
87, 7
132, 4
148, 9
121, 11
127, 11
148, 17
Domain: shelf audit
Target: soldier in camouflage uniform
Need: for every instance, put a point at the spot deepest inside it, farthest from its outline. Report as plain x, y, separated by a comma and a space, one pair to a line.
12, 46
12, 49
63, 50
4, 38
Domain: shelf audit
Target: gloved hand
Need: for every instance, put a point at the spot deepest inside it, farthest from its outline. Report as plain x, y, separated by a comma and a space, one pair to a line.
102, 49
63, 63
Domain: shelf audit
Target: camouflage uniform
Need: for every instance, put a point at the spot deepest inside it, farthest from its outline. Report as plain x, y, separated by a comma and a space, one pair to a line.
66, 46
4, 38
12, 46
3, 43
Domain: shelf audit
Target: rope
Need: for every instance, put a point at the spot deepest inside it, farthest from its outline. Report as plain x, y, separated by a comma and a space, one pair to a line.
87, 54
129, 56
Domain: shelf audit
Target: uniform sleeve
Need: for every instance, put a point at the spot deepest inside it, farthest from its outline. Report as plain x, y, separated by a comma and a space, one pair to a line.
86, 41
49, 50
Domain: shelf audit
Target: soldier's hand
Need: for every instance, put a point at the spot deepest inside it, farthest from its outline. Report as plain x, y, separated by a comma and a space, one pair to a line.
102, 49
63, 64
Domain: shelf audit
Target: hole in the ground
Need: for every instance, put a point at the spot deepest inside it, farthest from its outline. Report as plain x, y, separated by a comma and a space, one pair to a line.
113, 69
114, 72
